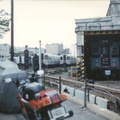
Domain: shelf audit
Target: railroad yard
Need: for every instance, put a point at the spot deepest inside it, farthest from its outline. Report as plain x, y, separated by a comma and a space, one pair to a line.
53, 83
79, 111
103, 93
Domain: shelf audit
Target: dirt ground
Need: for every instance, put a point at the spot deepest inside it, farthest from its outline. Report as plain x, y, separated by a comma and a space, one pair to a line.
110, 83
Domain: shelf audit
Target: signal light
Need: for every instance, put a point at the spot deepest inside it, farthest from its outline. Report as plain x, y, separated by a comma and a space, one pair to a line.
36, 63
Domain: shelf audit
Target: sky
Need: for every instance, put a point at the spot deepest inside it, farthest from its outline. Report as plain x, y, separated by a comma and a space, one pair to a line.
51, 21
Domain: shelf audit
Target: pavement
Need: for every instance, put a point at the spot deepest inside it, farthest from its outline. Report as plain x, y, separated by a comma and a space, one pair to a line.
80, 113
109, 115
11, 116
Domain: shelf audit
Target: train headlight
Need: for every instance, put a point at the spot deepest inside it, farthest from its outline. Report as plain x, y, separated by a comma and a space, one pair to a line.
114, 63
96, 63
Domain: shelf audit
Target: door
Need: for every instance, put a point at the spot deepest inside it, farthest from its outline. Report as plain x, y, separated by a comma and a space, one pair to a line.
105, 56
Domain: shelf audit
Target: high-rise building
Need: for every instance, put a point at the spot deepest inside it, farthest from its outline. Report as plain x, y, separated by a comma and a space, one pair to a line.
54, 48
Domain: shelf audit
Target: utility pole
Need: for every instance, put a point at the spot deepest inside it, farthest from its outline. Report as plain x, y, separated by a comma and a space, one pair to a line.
12, 30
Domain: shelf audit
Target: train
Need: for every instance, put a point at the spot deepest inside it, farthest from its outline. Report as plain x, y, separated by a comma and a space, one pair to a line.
21, 59
103, 59
50, 60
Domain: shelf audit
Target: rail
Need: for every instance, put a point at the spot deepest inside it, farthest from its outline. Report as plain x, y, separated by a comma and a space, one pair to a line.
82, 83
87, 87
104, 87
64, 80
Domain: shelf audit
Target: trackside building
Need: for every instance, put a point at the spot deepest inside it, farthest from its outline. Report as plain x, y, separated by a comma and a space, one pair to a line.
98, 43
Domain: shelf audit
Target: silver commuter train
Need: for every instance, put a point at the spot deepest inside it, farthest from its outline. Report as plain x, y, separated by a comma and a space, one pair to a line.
19, 60
50, 60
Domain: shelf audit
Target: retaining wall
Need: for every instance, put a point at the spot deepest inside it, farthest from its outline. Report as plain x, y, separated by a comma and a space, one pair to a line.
80, 95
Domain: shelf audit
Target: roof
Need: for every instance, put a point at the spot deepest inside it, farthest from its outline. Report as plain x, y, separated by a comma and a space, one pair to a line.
98, 24
110, 22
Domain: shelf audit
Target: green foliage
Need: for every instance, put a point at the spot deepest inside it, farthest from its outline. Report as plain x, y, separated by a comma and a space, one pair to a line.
4, 22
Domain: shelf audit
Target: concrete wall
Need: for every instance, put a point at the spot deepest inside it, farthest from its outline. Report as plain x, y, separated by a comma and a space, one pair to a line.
114, 8
80, 95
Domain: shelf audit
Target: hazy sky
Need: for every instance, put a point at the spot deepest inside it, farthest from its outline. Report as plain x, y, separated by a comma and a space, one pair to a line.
50, 21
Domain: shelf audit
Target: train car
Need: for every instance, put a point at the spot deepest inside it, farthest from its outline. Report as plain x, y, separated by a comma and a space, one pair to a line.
73, 60
20, 60
67, 60
50, 60
16, 60
105, 57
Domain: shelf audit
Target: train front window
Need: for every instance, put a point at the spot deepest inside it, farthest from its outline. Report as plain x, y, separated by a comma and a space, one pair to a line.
115, 50
61, 58
68, 58
95, 51
105, 50
46, 57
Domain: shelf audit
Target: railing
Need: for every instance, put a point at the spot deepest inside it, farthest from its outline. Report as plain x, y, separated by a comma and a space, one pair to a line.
87, 87
88, 27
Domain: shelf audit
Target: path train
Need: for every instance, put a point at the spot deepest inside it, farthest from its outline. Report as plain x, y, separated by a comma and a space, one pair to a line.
103, 58
50, 60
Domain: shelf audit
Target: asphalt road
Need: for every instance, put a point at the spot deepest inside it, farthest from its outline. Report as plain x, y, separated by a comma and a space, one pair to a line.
80, 113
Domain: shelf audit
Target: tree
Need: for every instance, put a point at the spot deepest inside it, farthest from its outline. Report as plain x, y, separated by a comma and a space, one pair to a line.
4, 22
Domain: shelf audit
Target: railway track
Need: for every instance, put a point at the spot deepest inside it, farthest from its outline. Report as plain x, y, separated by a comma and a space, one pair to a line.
112, 96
